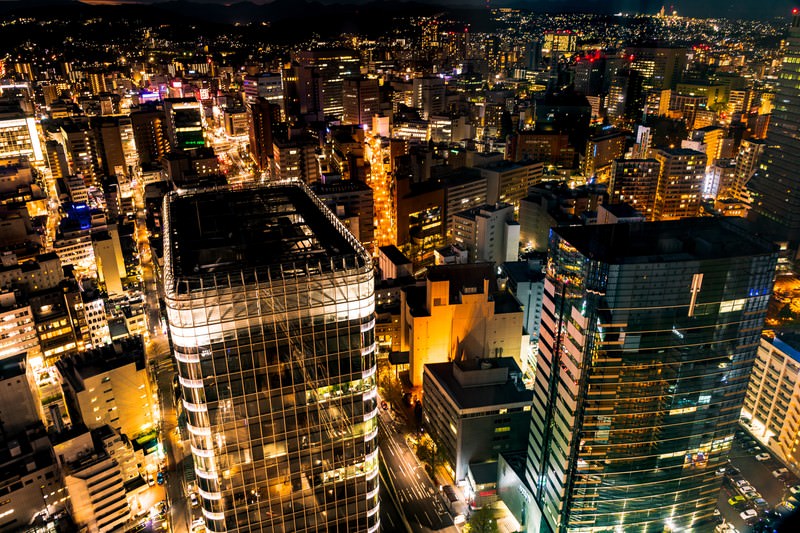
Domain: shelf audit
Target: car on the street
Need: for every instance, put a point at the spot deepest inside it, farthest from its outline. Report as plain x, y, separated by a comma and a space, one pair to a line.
160, 478
749, 515
763, 457
761, 504
732, 471
736, 500
780, 472
795, 489
384, 405
193, 499
750, 493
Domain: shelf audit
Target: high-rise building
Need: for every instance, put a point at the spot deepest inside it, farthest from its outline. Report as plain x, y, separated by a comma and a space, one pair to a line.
711, 138
635, 181
660, 67
626, 97
429, 95
266, 85
109, 385
648, 336
271, 308
114, 137
319, 81
97, 82
57, 159
361, 99
508, 181
150, 135
590, 74
263, 116
680, 183
294, 159
485, 401
19, 137
559, 42
82, 149
184, 123
720, 179
601, 150
750, 152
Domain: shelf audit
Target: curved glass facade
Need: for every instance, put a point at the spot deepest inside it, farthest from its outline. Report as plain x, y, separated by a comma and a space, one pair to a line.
277, 368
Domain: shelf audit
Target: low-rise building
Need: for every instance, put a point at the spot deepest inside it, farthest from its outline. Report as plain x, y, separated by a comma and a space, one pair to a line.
97, 493
17, 328
17, 404
29, 480
488, 232
109, 385
476, 409
459, 311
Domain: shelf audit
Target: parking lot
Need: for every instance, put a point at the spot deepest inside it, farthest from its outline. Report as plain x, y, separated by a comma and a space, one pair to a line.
769, 484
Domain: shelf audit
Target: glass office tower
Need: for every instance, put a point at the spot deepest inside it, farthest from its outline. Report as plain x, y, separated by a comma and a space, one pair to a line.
774, 186
271, 308
648, 335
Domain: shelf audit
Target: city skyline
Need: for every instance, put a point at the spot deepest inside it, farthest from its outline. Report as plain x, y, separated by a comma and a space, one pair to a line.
405, 267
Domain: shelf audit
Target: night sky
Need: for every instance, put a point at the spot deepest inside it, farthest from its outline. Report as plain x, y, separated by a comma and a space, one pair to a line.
700, 8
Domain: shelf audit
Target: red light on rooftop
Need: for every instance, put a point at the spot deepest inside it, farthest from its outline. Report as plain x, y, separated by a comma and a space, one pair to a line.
795, 11
630, 58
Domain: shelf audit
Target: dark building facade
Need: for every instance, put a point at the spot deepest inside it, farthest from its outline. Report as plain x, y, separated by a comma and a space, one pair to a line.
648, 336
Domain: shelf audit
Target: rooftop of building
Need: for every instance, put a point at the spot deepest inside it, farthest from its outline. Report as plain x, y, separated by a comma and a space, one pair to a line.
473, 212
521, 271
679, 151
223, 230
339, 186
666, 241
75, 369
621, 210
517, 460
12, 367
477, 383
789, 343
394, 255
707, 129
469, 275
466, 278
484, 473
505, 302
505, 165
609, 133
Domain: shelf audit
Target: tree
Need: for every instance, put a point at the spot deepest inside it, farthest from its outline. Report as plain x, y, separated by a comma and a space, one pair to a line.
482, 521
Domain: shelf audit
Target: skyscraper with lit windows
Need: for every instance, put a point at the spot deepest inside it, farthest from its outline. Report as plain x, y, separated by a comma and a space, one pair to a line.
271, 310
648, 335
775, 186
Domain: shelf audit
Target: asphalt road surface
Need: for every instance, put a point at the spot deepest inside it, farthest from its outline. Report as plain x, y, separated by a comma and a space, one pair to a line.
416, 496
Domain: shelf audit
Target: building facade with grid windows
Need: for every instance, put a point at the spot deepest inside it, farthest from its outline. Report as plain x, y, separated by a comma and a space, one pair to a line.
270, 303
648, 336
